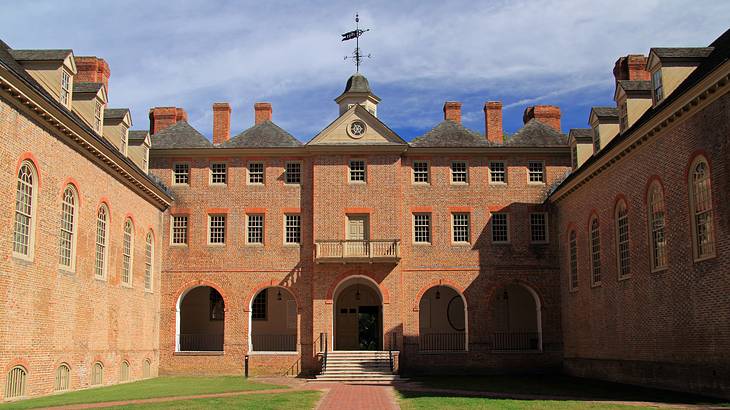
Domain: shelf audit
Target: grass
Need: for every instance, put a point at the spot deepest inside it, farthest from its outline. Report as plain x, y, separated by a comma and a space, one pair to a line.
145, 389
278, 401
446, 403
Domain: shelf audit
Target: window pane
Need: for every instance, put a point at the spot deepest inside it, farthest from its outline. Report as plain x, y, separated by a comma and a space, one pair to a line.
182, 174
127, 253
101, 243
499, 228
573, 261
218, 173
357, 171
148, 258
595, 252
23, 210
497, 172
460, 227
217, 229
422, 228
180, 230
293, 173
420, 171
293, 232
256, 173
622, 233
255, 229
459, 172
538, 228
258, 307
535, 169
66, 238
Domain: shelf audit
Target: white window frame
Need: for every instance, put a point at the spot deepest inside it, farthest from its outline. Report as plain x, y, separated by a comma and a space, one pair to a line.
149, 261
186, 175
31, 214
173, 227
261, 173
66, 84
657, 86
73, 232
287, 173
694, 200
415, 173
213, 173
541, 172
210, 229
129, 268
452, 173
454, 227
659, 257
298, 227
596, 140
594, 248
125, 140
620, 243
98, 110
429, 228
545, 226
507, 228
104, 246
351, 171
263, 229
492, 172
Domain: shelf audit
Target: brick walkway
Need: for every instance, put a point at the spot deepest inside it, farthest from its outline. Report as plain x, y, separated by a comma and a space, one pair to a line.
358, 397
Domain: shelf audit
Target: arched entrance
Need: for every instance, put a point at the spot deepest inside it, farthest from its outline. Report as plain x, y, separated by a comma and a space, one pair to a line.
358, 315
273, 321
517, 318
442, 321
200, 320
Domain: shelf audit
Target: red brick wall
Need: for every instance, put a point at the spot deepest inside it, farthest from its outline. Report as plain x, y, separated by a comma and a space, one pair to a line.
48, 316
669, 328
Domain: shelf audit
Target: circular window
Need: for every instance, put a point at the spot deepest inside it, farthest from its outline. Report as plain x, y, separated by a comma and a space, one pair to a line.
356, 129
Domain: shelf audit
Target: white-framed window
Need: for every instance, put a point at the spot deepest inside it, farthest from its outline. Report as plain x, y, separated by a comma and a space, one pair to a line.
703, 234
149, 254
98, 110
181, 173
292, 229
97, 374
595, 246
573, 261
145, 159
65, 87
422, 227
218, 173
67, 237
538, 227
459, 172
536, 172
179, 230
124, 140
256, 173
25, 199
596, 141
420, 172
357, 170
102, 241
623, 253
255, 228
124, 371
127, 252
293, 173
15, 383
258, 306
497, 172
63, 378
656, 81
216, 229
460, 227
657, 227
500, 228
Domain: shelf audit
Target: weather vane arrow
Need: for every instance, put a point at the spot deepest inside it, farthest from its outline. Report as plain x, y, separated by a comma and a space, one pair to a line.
355, 34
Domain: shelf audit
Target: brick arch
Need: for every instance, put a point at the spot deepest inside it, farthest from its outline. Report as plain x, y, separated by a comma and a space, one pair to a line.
182, 290
620, 197
692, 158
18, 361
649, 183
104, 201
591, 215
130, 216
272, 283
345, 275
530, 287
28, 156
71, 181
570, 227
438, 282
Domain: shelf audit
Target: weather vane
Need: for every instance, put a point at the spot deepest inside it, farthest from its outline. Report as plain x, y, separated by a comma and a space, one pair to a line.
357, 56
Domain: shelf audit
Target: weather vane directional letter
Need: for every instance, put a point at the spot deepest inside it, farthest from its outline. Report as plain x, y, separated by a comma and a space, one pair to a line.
357, 56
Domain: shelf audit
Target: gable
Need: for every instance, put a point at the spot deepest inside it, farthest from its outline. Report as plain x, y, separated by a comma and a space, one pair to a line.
376, 133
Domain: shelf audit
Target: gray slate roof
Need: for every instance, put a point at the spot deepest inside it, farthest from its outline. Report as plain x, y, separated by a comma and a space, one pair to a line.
634, 85
605, 112
264, 135
138, 135
450, 134
682, 52
91, 88
579, 134
115, 113
536, 134
180, 135
39, 55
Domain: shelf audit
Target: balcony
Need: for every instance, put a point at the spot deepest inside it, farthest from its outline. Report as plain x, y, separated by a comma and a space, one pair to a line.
354, 251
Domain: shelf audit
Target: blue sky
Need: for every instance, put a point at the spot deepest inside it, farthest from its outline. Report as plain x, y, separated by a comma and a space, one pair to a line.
193, 53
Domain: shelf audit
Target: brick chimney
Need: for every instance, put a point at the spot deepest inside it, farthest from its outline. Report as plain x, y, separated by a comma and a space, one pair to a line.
546, 114
452, 111
262, 112
493, 121
221, 123
631, 67
92, 70
163, 117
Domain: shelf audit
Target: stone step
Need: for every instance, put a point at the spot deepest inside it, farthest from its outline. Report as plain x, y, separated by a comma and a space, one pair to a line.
355, 366
357, 377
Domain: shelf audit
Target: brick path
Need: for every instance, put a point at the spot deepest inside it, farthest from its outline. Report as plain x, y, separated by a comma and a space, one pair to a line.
358, 397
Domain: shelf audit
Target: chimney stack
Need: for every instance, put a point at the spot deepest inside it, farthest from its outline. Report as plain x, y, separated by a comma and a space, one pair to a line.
631, 67
92, 70
262, 112
163, 117
452, 111
546, 114
221, 122
493, 121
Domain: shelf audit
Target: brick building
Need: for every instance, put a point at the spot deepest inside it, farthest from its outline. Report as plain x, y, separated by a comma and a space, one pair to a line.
459, 251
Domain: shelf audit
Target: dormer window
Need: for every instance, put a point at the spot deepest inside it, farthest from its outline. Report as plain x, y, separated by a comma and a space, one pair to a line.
65, 87
656, 80
596, 141
623, 116
97, 116
125, 135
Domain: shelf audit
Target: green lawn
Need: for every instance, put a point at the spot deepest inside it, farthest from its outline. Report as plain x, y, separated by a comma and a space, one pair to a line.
279, 401
145, 389
446, 403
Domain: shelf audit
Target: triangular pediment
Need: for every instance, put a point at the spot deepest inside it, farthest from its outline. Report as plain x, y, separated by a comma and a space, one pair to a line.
339, 132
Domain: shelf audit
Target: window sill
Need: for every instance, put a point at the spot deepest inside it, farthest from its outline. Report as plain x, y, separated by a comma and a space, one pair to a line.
181, 185
96, 278
499, 184
126, 286
596, 285
501, 243
67, 271
536, 183
460, 184
540, 243
660, 270
178, 245
292, 184
461, 244
287, 353
218, 185
624, 278
217, 245
422, 244
199, 353
255, 184
704, 258
421, 184
293, 245
357, 182
573, 290
22, 258
255, 244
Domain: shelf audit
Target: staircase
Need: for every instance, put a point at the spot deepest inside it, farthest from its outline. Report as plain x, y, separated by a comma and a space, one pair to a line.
357, 367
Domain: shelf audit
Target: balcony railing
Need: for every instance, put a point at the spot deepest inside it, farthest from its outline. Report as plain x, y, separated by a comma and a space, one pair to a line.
274, 343
357, 251
516, 341
442, 342
198, 342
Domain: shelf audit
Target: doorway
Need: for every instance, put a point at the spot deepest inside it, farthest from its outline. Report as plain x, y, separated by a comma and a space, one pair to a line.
358, 316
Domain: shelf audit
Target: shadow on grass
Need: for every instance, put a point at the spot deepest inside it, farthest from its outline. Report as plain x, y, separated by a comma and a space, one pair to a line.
544, 387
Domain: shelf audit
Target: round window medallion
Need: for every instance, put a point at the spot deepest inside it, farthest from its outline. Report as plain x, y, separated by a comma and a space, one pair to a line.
356, 129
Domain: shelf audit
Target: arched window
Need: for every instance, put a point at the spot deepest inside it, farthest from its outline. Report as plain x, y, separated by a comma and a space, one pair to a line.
25, 199
15, 383
622, 240
97, 374
657, 225
102, 236
124, 372
146, 369
67, 239
703, 236
63, 373
127, 252
595, 244
573, 261
148, 255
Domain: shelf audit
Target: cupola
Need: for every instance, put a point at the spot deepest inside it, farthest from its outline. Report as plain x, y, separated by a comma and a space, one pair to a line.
357, 91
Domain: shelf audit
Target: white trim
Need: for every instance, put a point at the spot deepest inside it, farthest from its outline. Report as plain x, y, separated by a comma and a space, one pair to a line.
335, 293
250, 350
